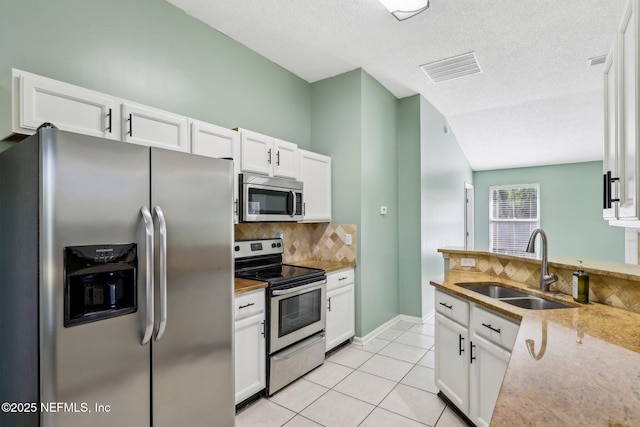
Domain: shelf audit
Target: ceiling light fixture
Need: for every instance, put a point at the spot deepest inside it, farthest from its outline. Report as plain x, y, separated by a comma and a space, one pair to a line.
405, 9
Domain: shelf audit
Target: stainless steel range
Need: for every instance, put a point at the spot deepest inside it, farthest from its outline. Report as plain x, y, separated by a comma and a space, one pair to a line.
296, 307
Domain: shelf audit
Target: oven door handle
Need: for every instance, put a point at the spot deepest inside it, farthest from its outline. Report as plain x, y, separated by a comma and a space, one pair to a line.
293, 205
298, 289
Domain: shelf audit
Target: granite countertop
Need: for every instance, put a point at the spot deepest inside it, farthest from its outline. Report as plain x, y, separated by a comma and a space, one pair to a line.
587, 365
245, 285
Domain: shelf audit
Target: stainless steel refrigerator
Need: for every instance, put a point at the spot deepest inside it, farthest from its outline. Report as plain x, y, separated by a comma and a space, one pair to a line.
115, 285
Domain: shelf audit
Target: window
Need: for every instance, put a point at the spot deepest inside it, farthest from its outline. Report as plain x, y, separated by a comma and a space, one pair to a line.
514, 212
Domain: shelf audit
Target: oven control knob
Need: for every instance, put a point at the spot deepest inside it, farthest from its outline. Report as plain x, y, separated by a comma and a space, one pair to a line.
237, 248
273, 245
279, 244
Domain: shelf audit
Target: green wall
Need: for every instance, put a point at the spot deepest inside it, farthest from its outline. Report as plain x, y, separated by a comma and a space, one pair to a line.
570, 209
444, 171
149, 51
353, 120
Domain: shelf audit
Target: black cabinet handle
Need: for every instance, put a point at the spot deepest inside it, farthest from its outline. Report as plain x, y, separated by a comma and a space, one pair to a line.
263, 327
130, 120
342, 278
471, 358
460, 345
329, 304
278, 158
269, 153
446, 306
246, 305
490, 327
110, 118
608, 180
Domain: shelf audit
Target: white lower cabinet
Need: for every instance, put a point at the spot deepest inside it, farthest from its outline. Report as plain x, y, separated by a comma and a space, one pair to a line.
249, 345
473, 347
340, 319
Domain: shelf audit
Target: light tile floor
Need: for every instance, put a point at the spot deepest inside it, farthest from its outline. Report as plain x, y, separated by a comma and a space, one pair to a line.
387, 383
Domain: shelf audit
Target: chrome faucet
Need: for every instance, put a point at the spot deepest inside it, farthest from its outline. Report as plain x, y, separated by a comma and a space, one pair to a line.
546, 279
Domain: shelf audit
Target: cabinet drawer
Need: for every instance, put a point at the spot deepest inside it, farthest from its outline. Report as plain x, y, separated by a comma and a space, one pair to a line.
248, 304
340, 278
494, 327
452, 307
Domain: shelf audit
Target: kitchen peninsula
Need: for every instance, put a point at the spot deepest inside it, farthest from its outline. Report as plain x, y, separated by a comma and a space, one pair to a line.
573, 366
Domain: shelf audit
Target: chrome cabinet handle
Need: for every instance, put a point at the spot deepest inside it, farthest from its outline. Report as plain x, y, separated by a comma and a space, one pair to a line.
269, 153
471, 359
235, 207
263, 329
329, 304
162, 265
148, 227
278, 158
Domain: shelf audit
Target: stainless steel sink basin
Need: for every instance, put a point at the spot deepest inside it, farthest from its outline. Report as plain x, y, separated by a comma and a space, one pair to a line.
493, 290
511, 296
535, 303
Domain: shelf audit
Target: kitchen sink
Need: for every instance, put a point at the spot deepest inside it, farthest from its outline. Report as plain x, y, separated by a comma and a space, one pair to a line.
513, 297
535, 303
493, 290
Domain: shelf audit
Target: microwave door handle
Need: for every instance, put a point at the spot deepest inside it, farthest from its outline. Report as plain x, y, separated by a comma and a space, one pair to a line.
148, 226
293, 206
162, 264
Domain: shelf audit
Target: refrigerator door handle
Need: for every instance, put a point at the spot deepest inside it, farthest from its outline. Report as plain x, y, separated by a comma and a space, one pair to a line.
149, 232
162, 264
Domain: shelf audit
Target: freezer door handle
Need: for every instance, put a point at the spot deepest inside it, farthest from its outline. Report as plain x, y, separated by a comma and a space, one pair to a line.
148, 227
162, 268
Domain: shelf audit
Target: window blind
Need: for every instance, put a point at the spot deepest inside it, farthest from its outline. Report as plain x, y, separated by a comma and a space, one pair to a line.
514, 214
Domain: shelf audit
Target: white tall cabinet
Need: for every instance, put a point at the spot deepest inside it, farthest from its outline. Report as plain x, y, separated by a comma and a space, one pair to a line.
473, 347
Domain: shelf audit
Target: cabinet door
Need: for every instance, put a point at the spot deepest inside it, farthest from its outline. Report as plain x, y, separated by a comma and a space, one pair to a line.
340, 316
250, 357
155, 128
315, 173
285, 159
69, 107
486, 374
256, 152
218, 142
452, 361
627, 113
610, 166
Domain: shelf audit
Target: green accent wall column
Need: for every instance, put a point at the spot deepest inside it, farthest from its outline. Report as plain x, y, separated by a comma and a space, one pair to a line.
570, 209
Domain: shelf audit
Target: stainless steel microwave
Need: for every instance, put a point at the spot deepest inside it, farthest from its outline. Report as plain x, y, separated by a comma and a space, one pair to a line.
263, 198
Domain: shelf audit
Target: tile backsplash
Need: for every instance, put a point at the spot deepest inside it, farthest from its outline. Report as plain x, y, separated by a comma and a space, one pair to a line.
305, 241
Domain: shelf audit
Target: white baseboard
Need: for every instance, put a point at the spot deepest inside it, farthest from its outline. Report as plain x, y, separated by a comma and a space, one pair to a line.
400, 317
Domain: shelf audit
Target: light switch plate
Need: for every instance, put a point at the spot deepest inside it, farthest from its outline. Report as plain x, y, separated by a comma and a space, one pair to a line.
348, 240
468, 262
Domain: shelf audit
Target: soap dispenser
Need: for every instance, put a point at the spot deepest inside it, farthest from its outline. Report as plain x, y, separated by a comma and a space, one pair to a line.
581, 285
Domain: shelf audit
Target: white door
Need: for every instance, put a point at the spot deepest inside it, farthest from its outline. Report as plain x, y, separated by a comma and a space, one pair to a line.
256, 152
155, 128
452, 361
468, 216
315, 173
487, 371
285, 160
68, 107
250, 357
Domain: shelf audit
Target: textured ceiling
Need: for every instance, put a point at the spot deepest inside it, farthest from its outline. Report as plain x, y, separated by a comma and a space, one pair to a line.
536, 101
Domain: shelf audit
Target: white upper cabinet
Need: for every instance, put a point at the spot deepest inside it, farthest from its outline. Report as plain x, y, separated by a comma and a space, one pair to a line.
628, 112
156, 128
221, 143
315, 173
37, 100
265, 155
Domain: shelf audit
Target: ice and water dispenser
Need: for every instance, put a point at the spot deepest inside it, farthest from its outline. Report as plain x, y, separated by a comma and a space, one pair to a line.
100, 282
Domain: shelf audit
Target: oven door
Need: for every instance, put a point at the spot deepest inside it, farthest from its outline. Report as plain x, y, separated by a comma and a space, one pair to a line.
271, 199
296, 313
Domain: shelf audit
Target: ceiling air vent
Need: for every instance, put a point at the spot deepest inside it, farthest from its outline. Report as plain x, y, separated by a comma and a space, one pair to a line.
452, 68
596, 60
